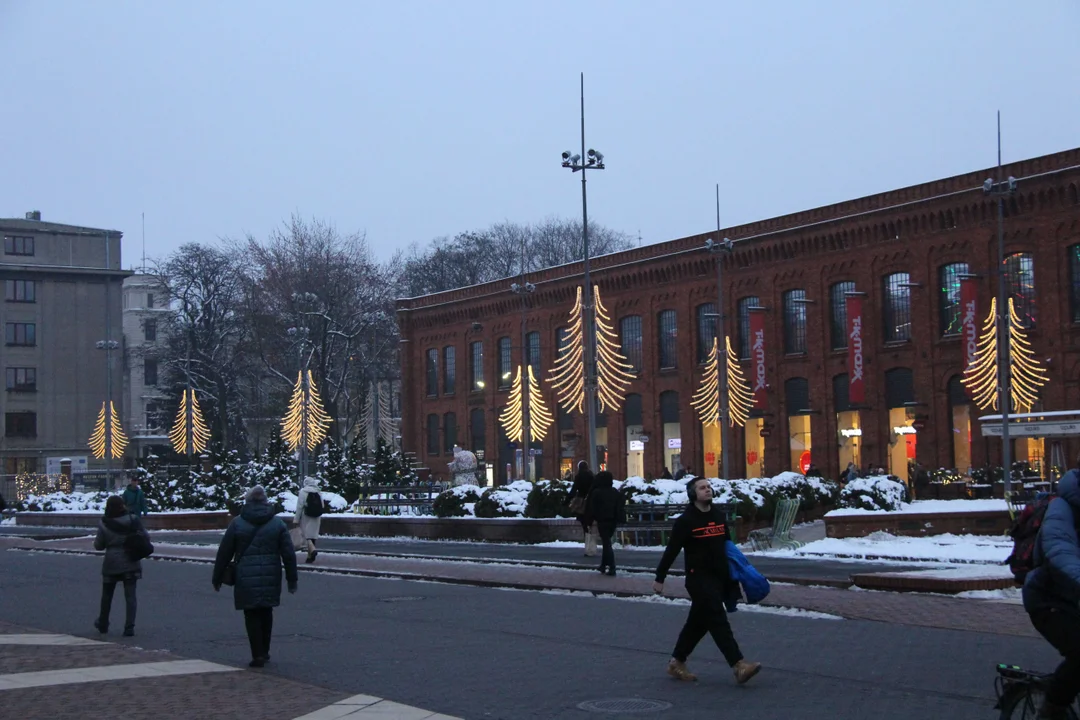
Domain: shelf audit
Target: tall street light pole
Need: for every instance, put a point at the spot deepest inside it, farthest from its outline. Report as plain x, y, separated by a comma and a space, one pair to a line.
1000, 189
718, 249
301, 335
108, 345
592, 160
524, 289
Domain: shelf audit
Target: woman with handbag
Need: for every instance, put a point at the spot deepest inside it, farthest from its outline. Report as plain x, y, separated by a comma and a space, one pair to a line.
578, 499
309, 509
118, 566
255, 547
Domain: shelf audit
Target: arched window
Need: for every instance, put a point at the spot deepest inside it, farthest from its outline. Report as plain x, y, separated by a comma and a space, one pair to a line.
432, 372
838, 313
896, 307
532, 341
449, 369
795, 322
433, 434
1074, 282
1020, 286
669, 339
630, 340
797, 396
506, 374
949, 296
449, 432
744, 324
476, 360
706, 330
478, 429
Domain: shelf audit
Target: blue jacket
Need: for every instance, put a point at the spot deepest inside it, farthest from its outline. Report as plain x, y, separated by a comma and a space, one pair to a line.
134, 500
264, 545
1055, 581
754, 584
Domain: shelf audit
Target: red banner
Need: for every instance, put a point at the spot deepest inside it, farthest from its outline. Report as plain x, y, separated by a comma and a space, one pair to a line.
757, 357
969, 318
856, 384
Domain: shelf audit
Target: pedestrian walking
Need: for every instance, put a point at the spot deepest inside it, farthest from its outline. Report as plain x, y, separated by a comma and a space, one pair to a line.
703, 533
255, 547
309, 510
578, 498
607, 508
118, 565
134, 497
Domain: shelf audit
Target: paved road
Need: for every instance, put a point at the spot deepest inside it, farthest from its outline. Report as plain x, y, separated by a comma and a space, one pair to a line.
483, 653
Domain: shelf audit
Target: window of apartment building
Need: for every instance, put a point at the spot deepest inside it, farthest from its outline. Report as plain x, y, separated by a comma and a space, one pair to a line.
154, 415
18, 465
1020, 283
15, 245
21, 379
505, 363
897, 307
744, 323
630, 341
532, 342
838, 313
795, 322
150, 330
449, 368
706, 330
449, 432
20, 334
669, 339
431, 366
19, 291
20, 424
476, 360
150, 374
432, 434
949, 296
1074, 281
149, 301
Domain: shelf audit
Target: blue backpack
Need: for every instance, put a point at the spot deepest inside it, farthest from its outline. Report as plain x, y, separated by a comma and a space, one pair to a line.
754, 584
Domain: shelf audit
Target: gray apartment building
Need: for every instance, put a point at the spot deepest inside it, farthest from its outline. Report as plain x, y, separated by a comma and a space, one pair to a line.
62, 286
146, 320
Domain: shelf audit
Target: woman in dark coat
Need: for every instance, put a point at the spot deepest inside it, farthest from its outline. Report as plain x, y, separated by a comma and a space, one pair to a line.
578, 498
260, 543
117, 567
607, 508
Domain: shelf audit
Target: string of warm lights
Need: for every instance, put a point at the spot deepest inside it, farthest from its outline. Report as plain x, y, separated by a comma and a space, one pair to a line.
613, 372
27, 484
305, 418
115, 438
511, 416
182, 440
980, 377
568, 375
1027, 373
707, 399
740, 396
540, 418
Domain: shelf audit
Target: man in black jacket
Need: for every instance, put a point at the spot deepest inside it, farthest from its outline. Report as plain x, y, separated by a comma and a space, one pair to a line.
607, 508
702, 531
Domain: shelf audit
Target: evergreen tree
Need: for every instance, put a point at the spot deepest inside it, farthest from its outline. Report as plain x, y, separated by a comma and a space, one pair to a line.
155, 488
333, 467
385, 468
275, 470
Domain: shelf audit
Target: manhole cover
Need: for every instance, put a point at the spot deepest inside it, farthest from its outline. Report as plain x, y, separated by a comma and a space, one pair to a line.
401, 598
624, 705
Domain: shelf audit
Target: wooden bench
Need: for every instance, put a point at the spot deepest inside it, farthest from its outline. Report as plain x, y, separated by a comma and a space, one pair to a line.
653, 522
779, 535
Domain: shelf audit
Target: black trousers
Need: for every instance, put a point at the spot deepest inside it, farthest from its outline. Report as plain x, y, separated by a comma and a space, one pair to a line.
108, 587
707, 615
1062, 629
607, 532
260, 624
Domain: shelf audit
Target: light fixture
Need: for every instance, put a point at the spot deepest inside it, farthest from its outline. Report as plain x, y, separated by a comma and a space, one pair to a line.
1028, 375
306, 422
707, 399
108, 435
189, 415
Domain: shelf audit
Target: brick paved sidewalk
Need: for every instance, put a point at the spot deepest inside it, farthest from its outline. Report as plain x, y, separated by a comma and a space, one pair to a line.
897, 608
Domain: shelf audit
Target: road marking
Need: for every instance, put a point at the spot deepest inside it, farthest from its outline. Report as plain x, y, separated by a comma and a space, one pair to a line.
45, 639
104, 673
361, 707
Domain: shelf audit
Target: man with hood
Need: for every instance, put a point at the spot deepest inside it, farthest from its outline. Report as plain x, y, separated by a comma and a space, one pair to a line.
1052, 592
117, 566
259, 543
607, 508
308, 502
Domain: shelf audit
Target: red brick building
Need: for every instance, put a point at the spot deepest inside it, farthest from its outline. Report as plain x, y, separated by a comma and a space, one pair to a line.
905, 251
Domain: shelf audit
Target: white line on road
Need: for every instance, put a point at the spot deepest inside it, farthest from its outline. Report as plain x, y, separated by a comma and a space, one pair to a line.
45, 639
103, 673
361, 707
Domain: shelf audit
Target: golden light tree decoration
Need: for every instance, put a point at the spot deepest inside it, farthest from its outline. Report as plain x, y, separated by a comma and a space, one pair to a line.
511, 417
707, 398
306, 422
540, 418
613, 373
1028, 375
568, 375
189, 433
108, 435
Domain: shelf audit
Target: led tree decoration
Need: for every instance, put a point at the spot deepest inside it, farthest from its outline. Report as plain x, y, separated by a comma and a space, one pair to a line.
306, 423
707, 399
511, 416
568, 376
108, 436
540, 418
980, 378
189, 433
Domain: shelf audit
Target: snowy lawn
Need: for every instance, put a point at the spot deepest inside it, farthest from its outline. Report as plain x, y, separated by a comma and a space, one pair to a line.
931, 506
945, 549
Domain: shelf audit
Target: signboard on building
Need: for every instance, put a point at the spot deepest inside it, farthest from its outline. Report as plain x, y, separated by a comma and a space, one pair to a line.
78, 464
637, 446
757, 358
856, 383
674, 443
1035, 429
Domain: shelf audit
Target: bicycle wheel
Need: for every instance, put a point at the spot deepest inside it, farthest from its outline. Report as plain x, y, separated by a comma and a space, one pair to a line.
1023, 703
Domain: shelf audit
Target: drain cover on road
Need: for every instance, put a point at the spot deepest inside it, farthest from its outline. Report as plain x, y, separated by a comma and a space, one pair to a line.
402, 598
624, 705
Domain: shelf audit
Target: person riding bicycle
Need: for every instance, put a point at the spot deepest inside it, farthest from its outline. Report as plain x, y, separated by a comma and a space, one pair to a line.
1052, 592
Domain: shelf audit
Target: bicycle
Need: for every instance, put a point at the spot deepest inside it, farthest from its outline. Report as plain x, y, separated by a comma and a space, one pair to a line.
1020, 692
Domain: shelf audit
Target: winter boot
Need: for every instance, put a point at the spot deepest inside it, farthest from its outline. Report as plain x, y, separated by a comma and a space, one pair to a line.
678, 671
745, 670
101, 627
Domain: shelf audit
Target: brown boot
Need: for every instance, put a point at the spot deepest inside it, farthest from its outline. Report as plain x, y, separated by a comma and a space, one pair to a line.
678, 671
745, 670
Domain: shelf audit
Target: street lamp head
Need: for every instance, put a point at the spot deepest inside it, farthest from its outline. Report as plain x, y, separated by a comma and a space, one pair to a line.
728, 244
988, 186
529, 287
1011, 184
566, 155
596, 158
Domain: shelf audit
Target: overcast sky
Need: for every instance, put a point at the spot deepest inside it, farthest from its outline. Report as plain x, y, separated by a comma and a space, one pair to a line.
413, 120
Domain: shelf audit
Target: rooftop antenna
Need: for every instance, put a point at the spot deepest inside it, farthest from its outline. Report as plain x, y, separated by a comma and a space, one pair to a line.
639, 237
143, 268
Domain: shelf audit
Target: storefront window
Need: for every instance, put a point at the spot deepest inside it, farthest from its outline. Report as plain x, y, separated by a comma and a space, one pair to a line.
1033, 451
755, 448
672, 431
712, 447
635, 446
902, 441
960, 411
849, 431
799, 435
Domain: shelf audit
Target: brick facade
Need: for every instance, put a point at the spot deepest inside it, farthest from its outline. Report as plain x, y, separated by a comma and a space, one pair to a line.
916, 230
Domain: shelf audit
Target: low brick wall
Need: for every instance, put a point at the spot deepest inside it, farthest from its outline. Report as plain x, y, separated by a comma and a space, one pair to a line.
153, 521
488, 530
993, 522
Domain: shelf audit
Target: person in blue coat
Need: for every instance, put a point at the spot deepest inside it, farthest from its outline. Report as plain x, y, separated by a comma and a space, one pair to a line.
1052, 592
260, 544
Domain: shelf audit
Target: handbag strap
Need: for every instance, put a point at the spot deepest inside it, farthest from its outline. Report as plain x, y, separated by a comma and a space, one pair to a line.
240, 554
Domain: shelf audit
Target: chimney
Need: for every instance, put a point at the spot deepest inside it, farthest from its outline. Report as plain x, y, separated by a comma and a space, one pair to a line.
34, 215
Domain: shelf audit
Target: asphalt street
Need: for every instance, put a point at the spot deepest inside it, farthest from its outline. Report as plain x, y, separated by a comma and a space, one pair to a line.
486, 653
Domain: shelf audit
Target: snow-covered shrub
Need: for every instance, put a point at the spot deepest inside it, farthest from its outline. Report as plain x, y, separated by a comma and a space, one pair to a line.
873, 493
547, 499
64, 502
505, 501
457, 501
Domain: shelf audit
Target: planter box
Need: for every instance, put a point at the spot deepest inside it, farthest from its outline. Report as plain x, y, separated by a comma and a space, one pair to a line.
992, 522
215, 520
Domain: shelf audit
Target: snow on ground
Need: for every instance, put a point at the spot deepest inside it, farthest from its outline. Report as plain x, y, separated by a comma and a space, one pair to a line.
931, 506
947, 549
335, 501
7, 521
1009, 595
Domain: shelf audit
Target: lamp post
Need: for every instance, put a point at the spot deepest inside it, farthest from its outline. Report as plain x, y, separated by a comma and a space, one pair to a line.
718, 249
592, 160
301, 335
108, 346
524, 289
1000, 189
